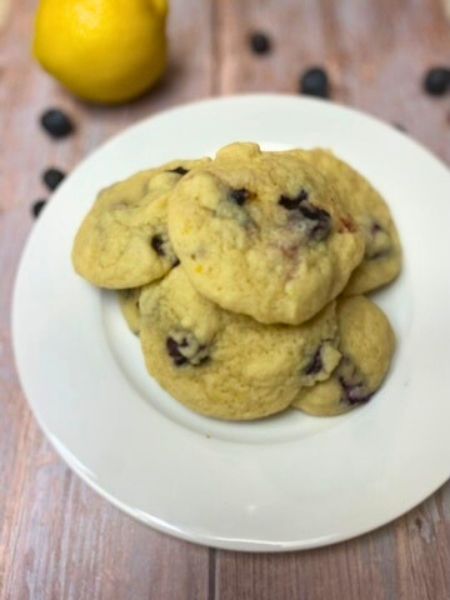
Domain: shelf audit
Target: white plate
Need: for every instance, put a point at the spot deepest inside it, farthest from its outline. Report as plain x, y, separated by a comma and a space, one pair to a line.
289, 482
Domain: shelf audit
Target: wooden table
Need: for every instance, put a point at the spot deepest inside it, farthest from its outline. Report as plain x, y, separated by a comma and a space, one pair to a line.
58, 539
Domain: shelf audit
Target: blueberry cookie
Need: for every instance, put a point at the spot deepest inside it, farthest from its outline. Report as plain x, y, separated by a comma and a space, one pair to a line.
382, 258
227, 365
129, 305
367, 344
263, 234
123, 241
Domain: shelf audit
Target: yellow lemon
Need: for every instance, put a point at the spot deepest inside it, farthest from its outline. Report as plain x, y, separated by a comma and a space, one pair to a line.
106, 51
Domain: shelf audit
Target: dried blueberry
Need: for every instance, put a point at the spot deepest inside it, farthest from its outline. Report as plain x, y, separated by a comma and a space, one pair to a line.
314, 82
437, 81
157, 243
56, 123
316, 363
260, 43
176, 262
179, 171
293, 203
37, 207
52, 178
240, 196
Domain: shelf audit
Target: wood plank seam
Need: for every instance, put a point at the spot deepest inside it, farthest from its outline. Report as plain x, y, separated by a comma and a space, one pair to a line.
212, 567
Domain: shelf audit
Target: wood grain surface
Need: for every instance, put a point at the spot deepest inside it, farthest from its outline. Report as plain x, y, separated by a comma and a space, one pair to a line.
58, 539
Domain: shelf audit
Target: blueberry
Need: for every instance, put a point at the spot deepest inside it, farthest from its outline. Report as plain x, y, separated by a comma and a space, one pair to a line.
157, 243
437, 81
322, 227
354, 393
400, 127
316, 364
185, 348
173, 349
176, 262
179, 171
52, 178
161, 245
314, 82
56, 123
293, 203
37, 207
260, 43
319, 218
240, 196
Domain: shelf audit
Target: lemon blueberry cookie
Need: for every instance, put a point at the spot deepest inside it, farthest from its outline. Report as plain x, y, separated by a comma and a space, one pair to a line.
228, 365
367, 344
263, 234
123, 241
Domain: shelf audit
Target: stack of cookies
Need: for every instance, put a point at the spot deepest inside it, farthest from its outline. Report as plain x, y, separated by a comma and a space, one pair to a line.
244, 277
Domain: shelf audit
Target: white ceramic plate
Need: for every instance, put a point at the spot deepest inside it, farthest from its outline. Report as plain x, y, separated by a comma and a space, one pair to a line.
288, 482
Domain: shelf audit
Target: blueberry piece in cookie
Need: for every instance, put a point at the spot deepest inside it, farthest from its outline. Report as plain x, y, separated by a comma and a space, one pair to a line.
173, 349
352, 382
353, 394
320, 221
157, 243
322, 363
293, 203
179, 171
240, 196
315, 365
184, 348
321, 225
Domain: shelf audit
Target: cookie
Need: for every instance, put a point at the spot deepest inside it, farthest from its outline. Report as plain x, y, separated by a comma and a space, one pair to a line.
227, 365
383, 257
367, 344
263, 234
123, 241
129, 305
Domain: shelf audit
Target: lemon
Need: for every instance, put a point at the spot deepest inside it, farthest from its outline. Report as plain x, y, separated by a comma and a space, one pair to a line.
106, 51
